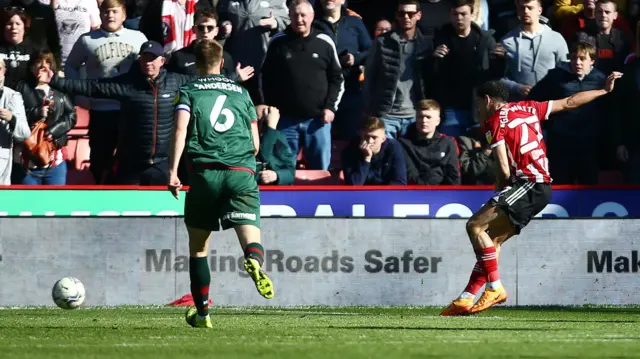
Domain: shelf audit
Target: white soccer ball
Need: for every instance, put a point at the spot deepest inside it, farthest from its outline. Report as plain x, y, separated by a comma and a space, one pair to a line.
68, 293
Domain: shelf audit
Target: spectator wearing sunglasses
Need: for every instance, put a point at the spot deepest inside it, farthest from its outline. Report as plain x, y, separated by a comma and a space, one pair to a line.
395, 69
206, 27
43, 30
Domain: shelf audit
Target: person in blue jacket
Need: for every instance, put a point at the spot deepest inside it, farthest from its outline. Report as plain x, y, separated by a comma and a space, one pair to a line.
373, 158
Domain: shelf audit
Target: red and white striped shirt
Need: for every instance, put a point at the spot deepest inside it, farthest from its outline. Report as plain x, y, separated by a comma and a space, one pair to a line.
517, 125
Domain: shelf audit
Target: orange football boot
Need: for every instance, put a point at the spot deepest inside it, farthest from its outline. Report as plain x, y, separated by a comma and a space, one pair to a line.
489, 298
460, 306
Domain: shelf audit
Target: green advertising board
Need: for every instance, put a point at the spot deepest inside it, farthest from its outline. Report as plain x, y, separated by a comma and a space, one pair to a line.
62, 203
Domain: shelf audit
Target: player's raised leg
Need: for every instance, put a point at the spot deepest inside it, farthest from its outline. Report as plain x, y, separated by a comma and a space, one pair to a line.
249, 237
242, 212
200, 278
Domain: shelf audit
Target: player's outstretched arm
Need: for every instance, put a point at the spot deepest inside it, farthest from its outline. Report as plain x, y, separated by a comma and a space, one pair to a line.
503, 173
584, 97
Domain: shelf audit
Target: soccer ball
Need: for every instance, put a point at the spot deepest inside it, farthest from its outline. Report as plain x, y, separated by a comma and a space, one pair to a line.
68, 293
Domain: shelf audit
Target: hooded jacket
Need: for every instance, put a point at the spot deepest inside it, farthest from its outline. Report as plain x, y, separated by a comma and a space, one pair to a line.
487, 67
431, 161
529, 58
476, 166
14, 131
248, 41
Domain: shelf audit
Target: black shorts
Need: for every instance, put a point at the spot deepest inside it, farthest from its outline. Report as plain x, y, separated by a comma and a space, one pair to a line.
522, 201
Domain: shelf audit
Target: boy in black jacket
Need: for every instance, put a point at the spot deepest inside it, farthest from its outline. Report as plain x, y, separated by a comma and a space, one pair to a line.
431, 157
373, 158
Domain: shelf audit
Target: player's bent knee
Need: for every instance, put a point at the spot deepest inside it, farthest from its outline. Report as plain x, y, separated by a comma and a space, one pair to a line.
247, 233
473, 227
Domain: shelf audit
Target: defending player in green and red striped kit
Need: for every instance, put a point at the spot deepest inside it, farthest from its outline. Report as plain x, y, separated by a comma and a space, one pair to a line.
217, 123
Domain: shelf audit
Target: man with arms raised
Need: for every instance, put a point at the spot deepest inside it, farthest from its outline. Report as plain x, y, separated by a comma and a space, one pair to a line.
217, 122
523, 179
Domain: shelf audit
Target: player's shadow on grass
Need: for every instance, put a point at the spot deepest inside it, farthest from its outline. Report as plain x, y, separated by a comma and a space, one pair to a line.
619, 310
579, 321
368, 327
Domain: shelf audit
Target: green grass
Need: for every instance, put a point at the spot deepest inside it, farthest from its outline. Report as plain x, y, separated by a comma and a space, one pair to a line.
318, 332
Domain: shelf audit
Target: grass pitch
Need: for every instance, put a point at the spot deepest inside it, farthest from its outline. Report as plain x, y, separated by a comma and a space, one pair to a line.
315, 332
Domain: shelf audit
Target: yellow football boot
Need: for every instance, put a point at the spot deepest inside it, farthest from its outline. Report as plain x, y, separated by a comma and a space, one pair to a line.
263, 283
192, 319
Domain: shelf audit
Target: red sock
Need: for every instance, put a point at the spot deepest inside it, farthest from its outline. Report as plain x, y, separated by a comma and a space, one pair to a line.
477, 280
489, 263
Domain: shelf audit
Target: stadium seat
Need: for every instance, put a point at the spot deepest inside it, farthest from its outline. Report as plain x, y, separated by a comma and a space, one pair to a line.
75, 177
81, 160
82, 124
300, 162
313, 177
610, 177
336, 153
69, 151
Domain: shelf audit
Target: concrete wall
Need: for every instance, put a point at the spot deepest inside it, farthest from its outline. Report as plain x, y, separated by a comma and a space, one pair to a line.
317, 261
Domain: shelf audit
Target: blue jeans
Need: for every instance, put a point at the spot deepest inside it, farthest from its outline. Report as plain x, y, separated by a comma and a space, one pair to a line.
456, 122
56, 176
395, 127
313, 135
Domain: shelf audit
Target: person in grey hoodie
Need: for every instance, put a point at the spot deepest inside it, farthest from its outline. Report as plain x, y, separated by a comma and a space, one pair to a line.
253, 23
531, 50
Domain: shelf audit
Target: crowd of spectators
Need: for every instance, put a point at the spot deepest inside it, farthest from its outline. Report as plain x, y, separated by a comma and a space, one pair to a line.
375, 92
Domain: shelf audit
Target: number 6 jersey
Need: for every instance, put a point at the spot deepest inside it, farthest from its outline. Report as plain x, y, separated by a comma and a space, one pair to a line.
219, 130
517, 125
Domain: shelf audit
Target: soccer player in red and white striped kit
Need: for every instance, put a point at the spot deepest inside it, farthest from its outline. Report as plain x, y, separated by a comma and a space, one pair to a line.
523, 182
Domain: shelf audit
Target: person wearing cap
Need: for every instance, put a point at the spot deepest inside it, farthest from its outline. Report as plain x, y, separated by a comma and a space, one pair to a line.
103, 53
146, 94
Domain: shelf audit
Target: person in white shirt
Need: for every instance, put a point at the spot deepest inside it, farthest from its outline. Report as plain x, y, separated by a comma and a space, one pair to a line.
104, 53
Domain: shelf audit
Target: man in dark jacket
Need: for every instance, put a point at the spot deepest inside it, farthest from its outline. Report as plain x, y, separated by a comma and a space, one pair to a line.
431, 157
612, 44
574, 137
205, 26
394, 81
626, 120
352, 44
477, 165
302, 77
373, 158
146, 95
463, 59
276, 163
